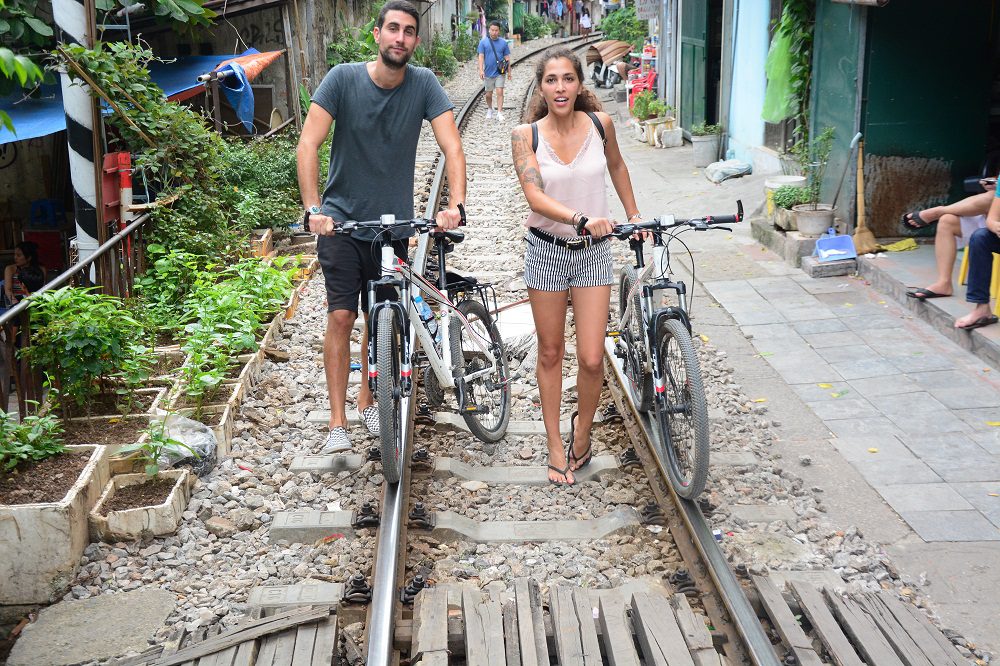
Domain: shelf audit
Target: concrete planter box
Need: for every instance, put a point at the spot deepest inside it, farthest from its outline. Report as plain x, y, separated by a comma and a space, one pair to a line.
784, 219
220, 419
41, 544
262, 242
140, 522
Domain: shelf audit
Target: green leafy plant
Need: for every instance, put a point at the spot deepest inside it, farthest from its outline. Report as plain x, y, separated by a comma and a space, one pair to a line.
35, 438
465, 44
797, 22
812, 156
536, 27
88, 344
787, 196
442, 57
704, 129
625, 26
155, 445
659, 109
640, 106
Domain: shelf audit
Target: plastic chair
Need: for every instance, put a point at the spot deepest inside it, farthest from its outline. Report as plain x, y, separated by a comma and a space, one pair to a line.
963, 269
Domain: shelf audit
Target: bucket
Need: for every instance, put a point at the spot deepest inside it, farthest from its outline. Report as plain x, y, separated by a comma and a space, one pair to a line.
813, 220
831, 247
774, 182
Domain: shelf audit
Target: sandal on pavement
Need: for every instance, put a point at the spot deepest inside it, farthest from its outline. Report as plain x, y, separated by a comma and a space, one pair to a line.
914, 221
565, 472
924, 293
979, 323
370, 417
571, 457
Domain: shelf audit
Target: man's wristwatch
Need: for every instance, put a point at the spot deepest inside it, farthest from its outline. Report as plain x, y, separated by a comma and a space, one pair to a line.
312, 210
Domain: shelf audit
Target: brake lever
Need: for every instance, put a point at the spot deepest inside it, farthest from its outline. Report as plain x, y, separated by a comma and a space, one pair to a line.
723, 228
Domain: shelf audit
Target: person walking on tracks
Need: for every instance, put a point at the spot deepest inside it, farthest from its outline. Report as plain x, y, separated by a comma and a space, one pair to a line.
561, 157
494, 66
379, 107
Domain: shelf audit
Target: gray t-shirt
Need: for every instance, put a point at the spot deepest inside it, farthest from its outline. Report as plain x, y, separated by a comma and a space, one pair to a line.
374, 144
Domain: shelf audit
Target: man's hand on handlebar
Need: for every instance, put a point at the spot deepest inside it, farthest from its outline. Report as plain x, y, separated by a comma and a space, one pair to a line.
324, 225
449, 218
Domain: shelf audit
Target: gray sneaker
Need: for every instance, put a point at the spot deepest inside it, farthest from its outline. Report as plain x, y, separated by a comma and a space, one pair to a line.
336, 441
369, 415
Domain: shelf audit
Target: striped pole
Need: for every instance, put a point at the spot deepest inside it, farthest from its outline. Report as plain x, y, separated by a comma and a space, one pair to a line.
75, 19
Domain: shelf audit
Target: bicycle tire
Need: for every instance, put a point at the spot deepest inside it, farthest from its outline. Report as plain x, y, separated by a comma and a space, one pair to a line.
682, 413
642, 381
388, 392
491, 392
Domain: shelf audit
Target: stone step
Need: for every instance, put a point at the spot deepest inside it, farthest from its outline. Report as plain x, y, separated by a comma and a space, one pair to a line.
600, 466
321, 464
449, 526
271, 598
309, 526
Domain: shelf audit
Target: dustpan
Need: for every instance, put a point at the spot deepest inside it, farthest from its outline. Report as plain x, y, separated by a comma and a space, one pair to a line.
831, 247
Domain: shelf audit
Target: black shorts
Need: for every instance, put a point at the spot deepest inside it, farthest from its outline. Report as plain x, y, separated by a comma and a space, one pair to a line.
348, 264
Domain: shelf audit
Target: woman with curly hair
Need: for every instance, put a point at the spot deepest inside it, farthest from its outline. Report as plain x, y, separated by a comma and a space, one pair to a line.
561, 155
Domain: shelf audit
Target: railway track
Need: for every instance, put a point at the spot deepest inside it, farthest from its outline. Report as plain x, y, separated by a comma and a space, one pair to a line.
389, 623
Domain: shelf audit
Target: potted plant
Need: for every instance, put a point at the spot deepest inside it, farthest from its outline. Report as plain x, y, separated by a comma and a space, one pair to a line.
812, 217
783, 199
147, 504
659, 118
705, 139
46, 492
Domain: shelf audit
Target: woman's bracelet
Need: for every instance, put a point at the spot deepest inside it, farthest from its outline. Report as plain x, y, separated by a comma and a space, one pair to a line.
632, 217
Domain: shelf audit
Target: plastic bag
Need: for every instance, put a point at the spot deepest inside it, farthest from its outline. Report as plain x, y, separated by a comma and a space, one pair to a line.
198, 436
720, 171
778, 102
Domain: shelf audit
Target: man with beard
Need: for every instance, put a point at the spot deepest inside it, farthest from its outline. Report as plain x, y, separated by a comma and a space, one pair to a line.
378, 107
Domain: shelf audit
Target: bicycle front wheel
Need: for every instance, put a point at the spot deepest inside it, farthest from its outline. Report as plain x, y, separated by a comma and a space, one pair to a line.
388, 391
682, 411
487, 397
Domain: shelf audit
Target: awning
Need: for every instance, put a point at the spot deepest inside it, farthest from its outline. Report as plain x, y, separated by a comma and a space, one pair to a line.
178, 78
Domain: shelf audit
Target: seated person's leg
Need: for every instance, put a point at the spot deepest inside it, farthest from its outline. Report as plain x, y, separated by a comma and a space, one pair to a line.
982, 244
948, 232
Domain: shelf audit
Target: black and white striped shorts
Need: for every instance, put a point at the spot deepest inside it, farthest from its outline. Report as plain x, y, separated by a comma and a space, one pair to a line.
549, 267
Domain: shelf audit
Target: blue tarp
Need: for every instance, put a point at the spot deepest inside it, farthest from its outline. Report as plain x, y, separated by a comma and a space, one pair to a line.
39, 117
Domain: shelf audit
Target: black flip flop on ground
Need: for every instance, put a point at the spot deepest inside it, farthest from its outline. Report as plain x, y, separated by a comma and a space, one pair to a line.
924, 293
571, 457
914, 221
979, 323
565, 472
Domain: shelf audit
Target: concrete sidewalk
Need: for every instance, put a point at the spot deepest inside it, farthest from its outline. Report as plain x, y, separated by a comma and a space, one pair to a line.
896, 416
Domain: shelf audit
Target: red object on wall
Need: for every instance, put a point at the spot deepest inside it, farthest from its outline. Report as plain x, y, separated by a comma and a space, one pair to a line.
111, 188
51, 248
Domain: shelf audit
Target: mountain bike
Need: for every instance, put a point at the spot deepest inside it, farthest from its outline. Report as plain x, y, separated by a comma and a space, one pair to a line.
462, 343
657, 352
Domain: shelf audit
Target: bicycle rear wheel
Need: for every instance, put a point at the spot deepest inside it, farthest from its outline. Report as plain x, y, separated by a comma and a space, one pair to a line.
388, 391
682, 411
633, 335
488, 394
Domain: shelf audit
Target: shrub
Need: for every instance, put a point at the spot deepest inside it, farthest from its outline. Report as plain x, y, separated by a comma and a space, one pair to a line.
35, 438
465, 44
787, 196
642, 102
536, 27
704, 129
624, 25
87, 343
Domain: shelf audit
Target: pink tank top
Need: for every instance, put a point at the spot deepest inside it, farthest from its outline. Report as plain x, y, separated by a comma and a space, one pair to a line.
580, 184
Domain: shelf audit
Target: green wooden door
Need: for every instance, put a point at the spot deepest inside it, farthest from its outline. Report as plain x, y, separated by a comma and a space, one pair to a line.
518, 16
694, 37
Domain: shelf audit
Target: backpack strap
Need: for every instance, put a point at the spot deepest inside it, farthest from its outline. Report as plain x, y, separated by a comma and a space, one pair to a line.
534, 137
599, 126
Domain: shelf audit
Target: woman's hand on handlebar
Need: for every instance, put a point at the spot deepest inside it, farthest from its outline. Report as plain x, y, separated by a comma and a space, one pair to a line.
599, 227
324, 225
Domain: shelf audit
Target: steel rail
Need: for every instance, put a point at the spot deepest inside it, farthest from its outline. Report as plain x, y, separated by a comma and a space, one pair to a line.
380, 626
742, 616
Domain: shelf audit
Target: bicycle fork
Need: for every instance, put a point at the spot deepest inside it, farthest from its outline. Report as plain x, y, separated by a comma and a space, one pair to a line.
389, 270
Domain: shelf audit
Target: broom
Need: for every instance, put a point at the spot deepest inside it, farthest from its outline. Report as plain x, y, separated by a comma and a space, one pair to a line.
864, 239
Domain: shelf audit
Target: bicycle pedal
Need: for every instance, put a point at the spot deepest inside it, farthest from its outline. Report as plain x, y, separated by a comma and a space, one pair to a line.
614, 334
473, 409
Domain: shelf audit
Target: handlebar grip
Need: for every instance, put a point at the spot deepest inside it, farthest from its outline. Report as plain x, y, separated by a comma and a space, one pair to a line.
461, 211
722, 219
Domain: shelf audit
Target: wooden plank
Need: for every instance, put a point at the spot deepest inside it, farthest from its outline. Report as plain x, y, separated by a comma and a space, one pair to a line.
588, 629
530, 623
909, 652
785, 623
430, 631
512, 646
565, 626
305, 639
246, 654
696, 634
825, 625
929, 639
868, 638
265, 657
326, 642
225, 658
484, 644
617, 637
251, 631
284, 648
659, 635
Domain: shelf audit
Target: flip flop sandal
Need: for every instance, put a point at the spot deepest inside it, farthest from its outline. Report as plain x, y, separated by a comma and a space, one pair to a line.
585, 459
979, 323
923, 294
913, 221
564, 471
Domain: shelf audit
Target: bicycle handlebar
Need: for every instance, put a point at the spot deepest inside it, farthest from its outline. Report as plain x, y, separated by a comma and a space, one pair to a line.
418, 223
623, 231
